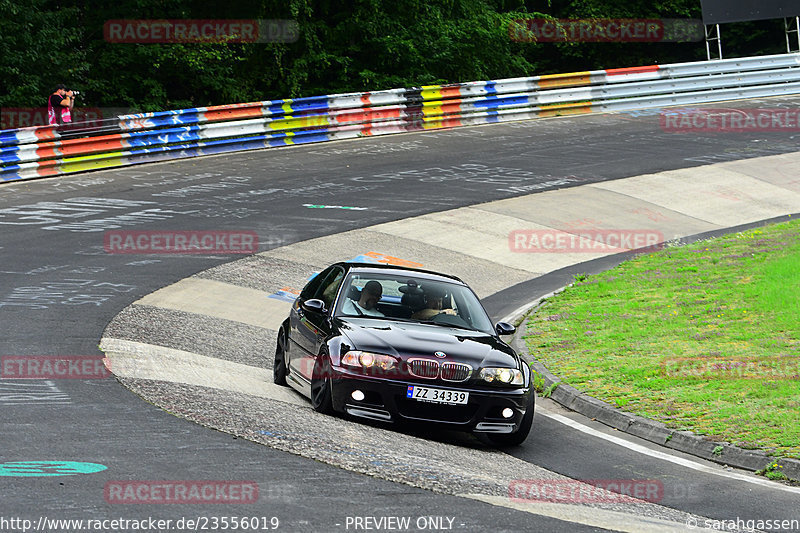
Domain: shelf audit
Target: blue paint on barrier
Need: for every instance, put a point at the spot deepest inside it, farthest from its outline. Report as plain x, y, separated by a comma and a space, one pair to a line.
174, 135
311, 103
8, 137
9, 155
185, 118
494, 101
10, 176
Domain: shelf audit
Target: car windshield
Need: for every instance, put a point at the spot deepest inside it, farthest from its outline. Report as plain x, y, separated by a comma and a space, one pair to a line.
409, 298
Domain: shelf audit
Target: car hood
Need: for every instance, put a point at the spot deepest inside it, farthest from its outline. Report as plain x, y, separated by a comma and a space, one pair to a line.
411, 339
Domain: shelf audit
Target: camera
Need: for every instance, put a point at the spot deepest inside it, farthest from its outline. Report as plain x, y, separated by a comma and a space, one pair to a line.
75, 93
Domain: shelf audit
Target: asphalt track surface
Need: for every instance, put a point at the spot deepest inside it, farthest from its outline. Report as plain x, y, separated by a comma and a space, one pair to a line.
60, 289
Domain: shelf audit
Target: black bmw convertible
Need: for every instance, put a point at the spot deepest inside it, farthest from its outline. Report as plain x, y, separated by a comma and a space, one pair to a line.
396, 344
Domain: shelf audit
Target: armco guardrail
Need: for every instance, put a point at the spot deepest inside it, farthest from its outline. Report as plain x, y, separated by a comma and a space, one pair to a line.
130, 139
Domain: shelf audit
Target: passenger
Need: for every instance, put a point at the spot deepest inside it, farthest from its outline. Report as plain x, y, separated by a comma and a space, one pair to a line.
433, 305
370, 295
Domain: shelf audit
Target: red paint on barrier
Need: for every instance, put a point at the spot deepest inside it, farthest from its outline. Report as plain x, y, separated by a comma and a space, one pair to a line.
45, 133
77, 147
48, 168
450, 92
47, 151
451, 108
233, 114
631, 70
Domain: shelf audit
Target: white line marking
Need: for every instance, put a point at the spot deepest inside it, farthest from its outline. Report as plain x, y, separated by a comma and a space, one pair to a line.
665, 456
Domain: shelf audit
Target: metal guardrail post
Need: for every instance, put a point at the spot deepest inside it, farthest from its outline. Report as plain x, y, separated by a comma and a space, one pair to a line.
713, 34
789, 30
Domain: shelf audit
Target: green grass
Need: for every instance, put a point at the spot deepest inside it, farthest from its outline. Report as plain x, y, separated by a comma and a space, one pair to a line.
703, 337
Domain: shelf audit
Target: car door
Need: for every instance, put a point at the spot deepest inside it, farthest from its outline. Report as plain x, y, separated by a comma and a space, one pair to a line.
309, 329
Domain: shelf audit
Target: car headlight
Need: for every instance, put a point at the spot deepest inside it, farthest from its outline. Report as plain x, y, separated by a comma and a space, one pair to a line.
505, 376
367, 360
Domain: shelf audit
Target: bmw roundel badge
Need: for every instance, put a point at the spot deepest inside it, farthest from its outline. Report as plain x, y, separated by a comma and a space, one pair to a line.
440, 354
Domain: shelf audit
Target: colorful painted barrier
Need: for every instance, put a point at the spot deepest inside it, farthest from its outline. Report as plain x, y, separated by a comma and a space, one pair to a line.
28, 153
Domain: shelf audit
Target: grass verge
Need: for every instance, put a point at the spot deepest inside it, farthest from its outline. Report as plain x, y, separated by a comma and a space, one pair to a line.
704, 337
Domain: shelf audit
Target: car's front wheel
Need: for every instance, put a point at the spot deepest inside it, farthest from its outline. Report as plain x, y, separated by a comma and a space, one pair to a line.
519, 436
321, 399
279, 366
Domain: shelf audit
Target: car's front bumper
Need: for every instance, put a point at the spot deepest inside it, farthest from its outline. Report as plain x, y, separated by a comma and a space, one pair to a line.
386, 400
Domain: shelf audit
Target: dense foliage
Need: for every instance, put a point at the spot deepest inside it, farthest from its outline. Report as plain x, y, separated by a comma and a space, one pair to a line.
343, 46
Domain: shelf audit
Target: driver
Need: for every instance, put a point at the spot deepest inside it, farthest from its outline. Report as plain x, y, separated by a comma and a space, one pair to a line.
433, 305
365, 306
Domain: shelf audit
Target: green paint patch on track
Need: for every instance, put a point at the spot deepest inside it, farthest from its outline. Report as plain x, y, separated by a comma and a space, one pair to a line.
704, 337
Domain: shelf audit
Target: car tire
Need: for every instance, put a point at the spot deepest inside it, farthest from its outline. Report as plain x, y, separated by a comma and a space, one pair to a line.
521, 434
279, 366
321, 399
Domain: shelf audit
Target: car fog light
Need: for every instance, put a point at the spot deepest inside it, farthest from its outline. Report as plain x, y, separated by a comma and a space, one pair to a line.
508, 412
357, 395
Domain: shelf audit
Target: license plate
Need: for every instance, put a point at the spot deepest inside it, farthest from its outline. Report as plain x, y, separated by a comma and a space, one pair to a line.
425, 394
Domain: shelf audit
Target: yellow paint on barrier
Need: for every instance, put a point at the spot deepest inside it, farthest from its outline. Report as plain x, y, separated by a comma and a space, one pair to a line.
287, 107
432, 124
440, 92
92, 162
575, 108
292, 123
434, 93
573, 79
432, 110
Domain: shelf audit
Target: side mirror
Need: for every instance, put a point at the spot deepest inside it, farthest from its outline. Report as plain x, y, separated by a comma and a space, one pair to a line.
504, 328
314, 306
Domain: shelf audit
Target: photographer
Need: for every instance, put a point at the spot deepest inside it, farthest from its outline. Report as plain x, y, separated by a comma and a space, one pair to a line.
59, 105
